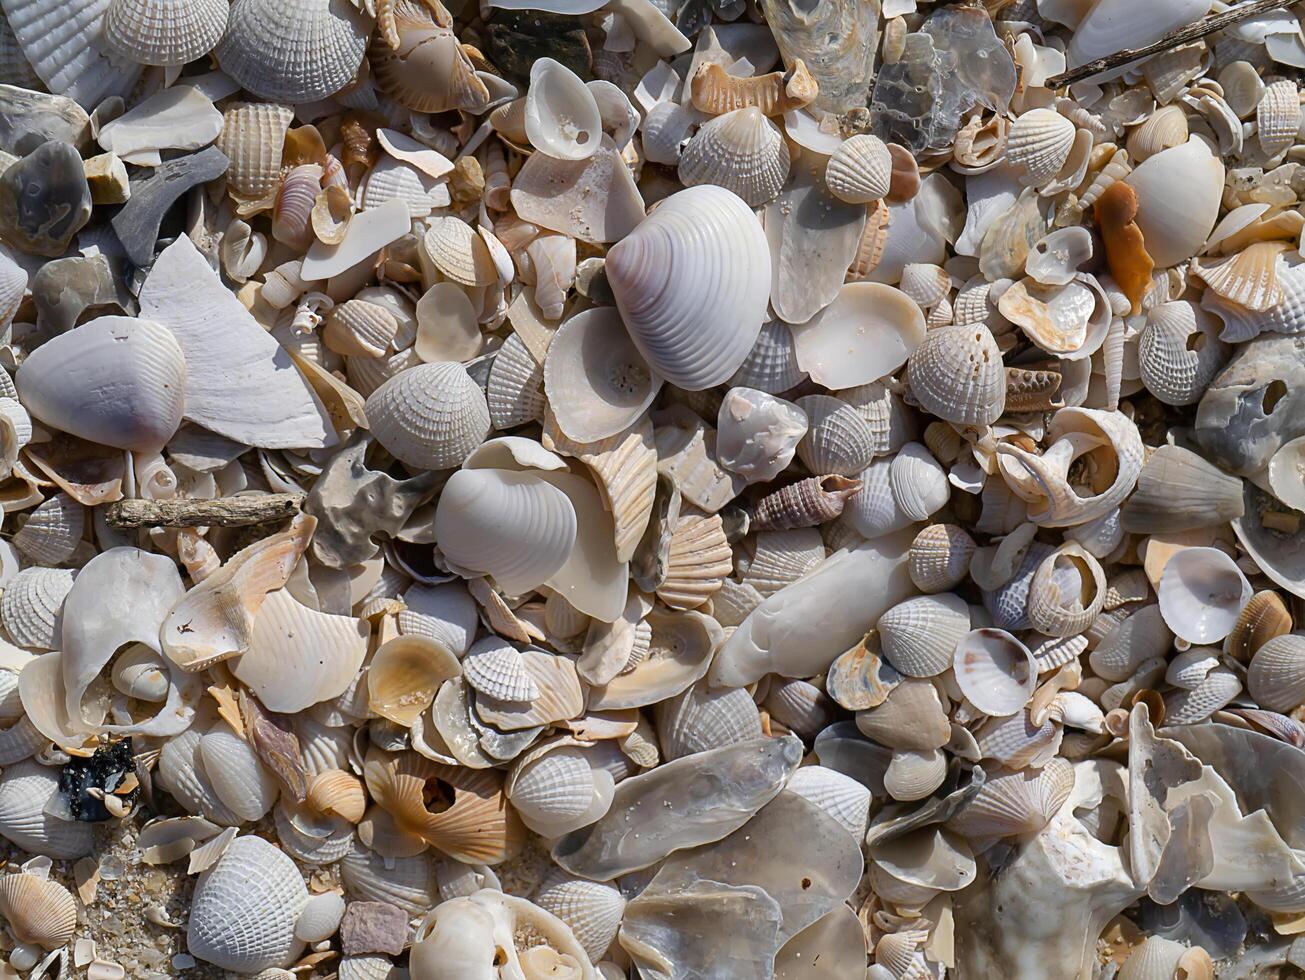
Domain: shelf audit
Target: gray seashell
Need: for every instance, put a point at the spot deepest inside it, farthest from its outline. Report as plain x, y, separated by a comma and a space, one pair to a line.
408, 882
957, 374
25, 791
164, 32
700, 718
772, 365
1255, 404
742, 151
838, 439
591, 909
31, 604
430, 416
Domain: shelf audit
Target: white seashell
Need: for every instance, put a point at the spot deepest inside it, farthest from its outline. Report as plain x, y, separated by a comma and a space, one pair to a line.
365, 966
914, 774
1067, 592
995, 671
1178, 193
598, 381
13, 284
243, 913
940, 557
552, 259
394, 180
1038, 145
782, 558
405, 148
495, 668
1202, 592
860, 171
296, 51
701, 718
867, 332
31, 606
594, 200
41, 912
840, 796
680, 648
757, 434
562, 118
115, 380
1216, 690
1276, 677
666, 130
1179, 353
244, 786
458, 251
253, 136
592, 909
320, 918
967, 353
25, 791
838, 439
1287, 473
1278, 116
430, 416
52, 531
513, 526
919, 636
515, 390
772, 365
691, 283
1115, 24
180, 118
555, 790
1011, 804
741, 151
919, 484
1056, 318
61, 43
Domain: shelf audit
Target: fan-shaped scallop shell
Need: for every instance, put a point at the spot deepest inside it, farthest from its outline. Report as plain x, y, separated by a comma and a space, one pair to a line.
430, 416
838, 439
860, 170
919, 636
164, 32
293, 50
700, 558
38, 910
1277, 117
1016, 803
700, 718
31, 604
52, 531
515, 390
957, 374
1039, 143
742, 151
1248, 279
498, 669
592, 909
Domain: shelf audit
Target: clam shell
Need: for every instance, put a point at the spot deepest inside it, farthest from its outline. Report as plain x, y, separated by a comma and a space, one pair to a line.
240, 781
1038, 144
1016, 803
556, 791
700, 718
408, 882
458, 251
320, 917
561, 116
1262, 619
515, 390
394, 180
116, 380
31, 606
334, 791
25, 791
430, 416
591, 909
680, 647
404, 676
359, 328
61, 42
1177, 491
1178, 193
965, 352
702, 250
1187, 707
940, 557
1163, 129
294, 51
912, 717
741, 151
1287, 473
497, 669
426, 70
919, 636
39, 911
913, 775
860, 170
1276, 677
771, 366
995, 671
243, 913
838, 438
561, 696
1202, 592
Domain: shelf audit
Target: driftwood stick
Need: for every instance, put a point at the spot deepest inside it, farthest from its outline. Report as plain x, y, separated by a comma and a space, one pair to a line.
1184, 35
225, 512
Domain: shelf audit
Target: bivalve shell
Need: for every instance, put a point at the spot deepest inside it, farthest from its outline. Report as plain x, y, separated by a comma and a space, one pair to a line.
1202, 592
561, 116
920, 635
741, 151
592, 909
39, 911
940, 557
860, 170
1038, 144
1276, 677
25, 791
164, 32
430, 416
31, 605
995, 671
957, 374
838, 438
1278, 116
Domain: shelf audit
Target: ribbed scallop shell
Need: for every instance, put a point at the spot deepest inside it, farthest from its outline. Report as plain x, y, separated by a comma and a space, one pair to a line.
31, 604
839, 795
838, 439
430, 416
253, 138
392, 179
52, 531
293, 50
1016, 803
771, 366
783, 557
515, 390
164, 32
61, 42
497, 669
700, 718
1218, 688
116, 380
243, 913
25, 790
940, 557
1248, 279
1276, 677
513, 526
592, 909
408, 882
691, 282
1277, 117
700, 559
919, 636
1287, 316
860, 170
1038, 144
1015, 742
742, 151
39, 911
957, 374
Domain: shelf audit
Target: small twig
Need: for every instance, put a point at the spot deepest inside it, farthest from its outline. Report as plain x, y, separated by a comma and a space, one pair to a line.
1184, 35
239, 511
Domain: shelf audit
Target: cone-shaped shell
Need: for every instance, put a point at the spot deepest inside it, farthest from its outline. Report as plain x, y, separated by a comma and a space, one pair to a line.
957, 374
38, 910
116, 380
513, 526
741, 151
293, 50
164, 32
430, 416
691, 282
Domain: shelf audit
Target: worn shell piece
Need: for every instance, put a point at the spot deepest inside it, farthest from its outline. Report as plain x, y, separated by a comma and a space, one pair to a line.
866, 333
1177, 490
715, 91
957, 374
741, 151
1202, 592
701, 250
430, 416
995, 671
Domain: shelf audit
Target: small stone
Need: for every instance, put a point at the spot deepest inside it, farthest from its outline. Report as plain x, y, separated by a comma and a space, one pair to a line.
28, 119
107, 176
373, 927
44, 199
105, 770
64, 289
137, 224
516, 38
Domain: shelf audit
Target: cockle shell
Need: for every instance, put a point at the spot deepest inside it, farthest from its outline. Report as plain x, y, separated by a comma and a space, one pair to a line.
1278, 116
1179, 352
772, 364
164, 32
515, 390
1011, 804
700, 718
741, 151
838, 438
52, 531
1163, 129
940, 557
561, 116
38, 910
957, 374
430, 416
1038, 145
115, 380
919, 636
427, 70
252, 137
32, 604
592, 909
860, 170
555, 790
702, 250
1202, 592
62, 47
239, 779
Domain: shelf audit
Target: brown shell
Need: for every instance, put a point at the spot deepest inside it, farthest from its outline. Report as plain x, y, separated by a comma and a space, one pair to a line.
717, 92
807, 503
1126, 253
1031, 390
1261, 619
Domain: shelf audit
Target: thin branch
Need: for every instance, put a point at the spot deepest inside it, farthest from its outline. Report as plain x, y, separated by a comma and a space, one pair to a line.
240, 511
1184, 35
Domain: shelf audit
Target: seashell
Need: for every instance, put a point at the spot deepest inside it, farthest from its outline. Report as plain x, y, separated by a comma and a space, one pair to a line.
783, 557
1177, 490
1067, 592
320, 917
498, 669
427, 70
995, 671
1017, 803
392, 180
332, 212
757, 434
918, 484
134, 368
772, 364
334, 791
1055, 318
700, 558
458, 251
806, 503
666, 129
700, 718
430, 416
591, 909
715, 91
365, 967
1163, 129
61, 46
1057, 256
1276, 677
1263, 618
913, 775
919, 636
243, 913
1278, 116
13, 285
26, 788
293, 52
838, 795
32, 604
1247, 279
1038, 144
707, 243
1286, 473
912, 717
515, 391
866, 333
1187, 707
838, 439
292, 214
859, 678
1015, 741
555, 790
253, 137
52, 531
802, 708
598, 382
1178, 192
860, 170
359, 328
561, 116
552, 257
404, 676
741, 151
593, 200
513, 526
408, 882
1202, 592
965, 352
39, 911
240, 781
940, 557
1179, 352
